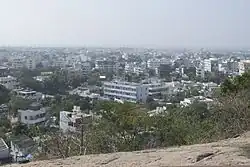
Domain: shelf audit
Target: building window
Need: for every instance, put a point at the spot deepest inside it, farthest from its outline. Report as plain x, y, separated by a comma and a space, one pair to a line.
70, 123
25, 118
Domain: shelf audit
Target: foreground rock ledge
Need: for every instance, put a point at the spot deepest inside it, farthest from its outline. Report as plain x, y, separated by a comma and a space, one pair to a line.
227, 152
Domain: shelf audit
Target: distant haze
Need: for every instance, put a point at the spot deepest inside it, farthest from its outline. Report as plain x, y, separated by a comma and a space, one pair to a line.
133, 23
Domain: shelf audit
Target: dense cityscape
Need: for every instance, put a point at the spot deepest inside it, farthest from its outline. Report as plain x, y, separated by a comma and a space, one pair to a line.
110, 83
47, 92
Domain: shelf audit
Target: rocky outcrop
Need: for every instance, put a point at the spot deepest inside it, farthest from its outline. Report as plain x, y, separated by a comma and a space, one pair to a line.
227, 152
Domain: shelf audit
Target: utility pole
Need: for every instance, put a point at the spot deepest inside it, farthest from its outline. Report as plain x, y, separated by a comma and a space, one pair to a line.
81, 135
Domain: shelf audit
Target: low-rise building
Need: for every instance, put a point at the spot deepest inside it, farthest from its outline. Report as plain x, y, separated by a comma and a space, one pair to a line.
106, 66
156, 89
73, 121
4, 151
210, 86
9, 82
4, 71
244, 66
4, 108
157, 111
33, 116
188, 101
59, 63
155, 63
43, 76
22, 148
129, 67
40, 78
28, 94
84, 92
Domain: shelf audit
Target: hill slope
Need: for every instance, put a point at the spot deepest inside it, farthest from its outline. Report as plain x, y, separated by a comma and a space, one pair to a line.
227, 152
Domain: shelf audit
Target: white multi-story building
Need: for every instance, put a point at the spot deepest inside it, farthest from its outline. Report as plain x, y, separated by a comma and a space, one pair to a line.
200, 71
127, 91
233, 66
210, 86
221, 68
156, 89
34, 115
71, 121
155, 63
138, 70
31, 63
106, 65
59, 63
84, 58
9, 82
17, 62
72, 59
129, 67
207, 65
244, 66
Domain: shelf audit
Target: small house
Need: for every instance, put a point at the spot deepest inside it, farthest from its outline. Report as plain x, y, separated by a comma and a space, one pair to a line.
4, 152
22, 147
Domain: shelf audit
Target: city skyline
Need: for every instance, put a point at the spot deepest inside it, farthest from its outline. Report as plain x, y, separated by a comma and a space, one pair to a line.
110, 23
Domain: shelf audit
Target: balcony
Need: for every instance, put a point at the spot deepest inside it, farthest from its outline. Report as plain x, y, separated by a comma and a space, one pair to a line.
38, 120
121, 91
120, 95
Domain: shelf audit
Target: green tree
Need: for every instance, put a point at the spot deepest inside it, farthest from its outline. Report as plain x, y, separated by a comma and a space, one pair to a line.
190, 72
4, 95
20, 129
34, 131
57, 83
151, 72
194, 92
151, 103
124, 124
5, 126
94, 78
16, 103
189, 125
28, 82
236, 84
232, 113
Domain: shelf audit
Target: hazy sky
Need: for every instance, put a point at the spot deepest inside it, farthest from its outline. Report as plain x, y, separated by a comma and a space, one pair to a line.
143, 23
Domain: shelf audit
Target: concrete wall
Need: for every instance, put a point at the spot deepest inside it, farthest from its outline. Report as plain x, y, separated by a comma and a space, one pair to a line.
4, 154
